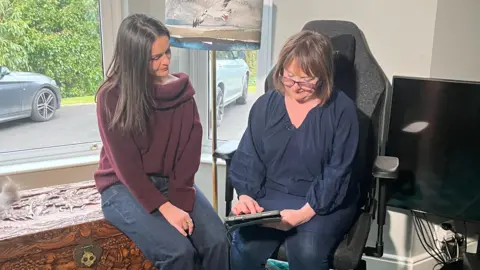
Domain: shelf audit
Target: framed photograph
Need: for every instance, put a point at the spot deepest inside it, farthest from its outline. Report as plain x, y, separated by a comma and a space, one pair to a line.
220, 25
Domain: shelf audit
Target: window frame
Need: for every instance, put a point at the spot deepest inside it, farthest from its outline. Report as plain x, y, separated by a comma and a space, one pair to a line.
193, 62
22, 160
199, 73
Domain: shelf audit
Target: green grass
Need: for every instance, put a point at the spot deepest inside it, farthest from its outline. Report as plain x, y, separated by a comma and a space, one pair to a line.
252, 88
78, 100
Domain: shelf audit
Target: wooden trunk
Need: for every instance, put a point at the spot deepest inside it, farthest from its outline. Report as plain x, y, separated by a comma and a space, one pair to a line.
62, 227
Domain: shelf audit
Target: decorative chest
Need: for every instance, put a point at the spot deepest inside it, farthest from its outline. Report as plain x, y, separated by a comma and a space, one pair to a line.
62, 227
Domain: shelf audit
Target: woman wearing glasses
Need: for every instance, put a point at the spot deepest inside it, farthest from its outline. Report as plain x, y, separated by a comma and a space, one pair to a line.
296, 156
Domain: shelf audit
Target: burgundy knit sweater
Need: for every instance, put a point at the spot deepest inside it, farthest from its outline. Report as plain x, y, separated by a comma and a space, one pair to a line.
173, 148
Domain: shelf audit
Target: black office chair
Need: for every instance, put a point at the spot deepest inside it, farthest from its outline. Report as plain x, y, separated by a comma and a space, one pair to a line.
361, 78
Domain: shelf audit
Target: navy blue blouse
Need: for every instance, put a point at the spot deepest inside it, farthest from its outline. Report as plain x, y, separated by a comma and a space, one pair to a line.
312, 163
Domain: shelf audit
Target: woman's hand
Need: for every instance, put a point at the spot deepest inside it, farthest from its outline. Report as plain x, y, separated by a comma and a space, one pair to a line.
246, 205
177, 218
293, 218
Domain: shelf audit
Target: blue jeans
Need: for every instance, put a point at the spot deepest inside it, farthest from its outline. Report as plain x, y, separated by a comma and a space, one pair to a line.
253, 245
160, 242
309, 246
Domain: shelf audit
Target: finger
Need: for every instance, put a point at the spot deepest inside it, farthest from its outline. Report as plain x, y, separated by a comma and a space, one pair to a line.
181, 230
238, 209
235, 210
288, 222
251, 207
284, 218
257, 206
284, 226
189, 225
190, 228
243, 208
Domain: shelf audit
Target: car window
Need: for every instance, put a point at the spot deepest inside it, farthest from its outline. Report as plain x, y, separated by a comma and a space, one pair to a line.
235, 54
3, 71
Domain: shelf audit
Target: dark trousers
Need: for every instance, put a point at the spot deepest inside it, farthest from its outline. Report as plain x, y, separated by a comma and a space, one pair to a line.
309, 246
252, 246
160, 242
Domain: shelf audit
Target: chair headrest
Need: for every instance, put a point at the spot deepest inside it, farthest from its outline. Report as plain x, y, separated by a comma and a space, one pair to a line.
344, 48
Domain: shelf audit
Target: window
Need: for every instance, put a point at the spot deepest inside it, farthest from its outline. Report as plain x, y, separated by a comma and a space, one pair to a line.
236, 92
257, 63
240, 81
51, 67
56, 52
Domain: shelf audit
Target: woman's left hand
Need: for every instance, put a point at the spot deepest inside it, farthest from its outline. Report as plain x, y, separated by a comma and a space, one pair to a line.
293, 218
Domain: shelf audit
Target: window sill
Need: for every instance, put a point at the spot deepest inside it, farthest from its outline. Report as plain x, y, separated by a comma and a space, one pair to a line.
70, 162
53, 164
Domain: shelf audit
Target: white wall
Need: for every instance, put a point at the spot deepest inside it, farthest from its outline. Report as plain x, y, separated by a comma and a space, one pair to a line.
400, 33
456, 45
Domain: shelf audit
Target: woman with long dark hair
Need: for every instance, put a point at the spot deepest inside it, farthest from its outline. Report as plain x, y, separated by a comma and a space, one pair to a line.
152, 139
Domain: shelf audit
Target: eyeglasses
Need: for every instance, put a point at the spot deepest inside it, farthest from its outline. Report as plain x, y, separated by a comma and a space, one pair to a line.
288, 82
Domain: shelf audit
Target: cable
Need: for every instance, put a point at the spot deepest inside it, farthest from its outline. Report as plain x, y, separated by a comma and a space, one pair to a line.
458, 249
423, 240
437, 264
432, 234
431, 247
445, 254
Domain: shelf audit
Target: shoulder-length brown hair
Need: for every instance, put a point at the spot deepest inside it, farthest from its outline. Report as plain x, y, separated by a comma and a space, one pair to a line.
313, 53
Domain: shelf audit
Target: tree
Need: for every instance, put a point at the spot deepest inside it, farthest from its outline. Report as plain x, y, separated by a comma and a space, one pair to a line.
12, 54
252, 59
58, 38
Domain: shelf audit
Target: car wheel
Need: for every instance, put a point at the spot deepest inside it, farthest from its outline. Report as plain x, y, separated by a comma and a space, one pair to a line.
243, 98
220, 105
44, 105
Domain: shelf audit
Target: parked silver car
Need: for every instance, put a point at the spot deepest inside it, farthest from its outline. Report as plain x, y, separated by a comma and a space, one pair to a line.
27, 94
232, 80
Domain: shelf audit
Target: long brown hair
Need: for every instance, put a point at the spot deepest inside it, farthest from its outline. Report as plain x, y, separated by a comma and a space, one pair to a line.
130, 72
314, 54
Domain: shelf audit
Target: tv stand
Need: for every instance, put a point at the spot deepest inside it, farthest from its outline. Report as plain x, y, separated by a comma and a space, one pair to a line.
468, 261
471, 261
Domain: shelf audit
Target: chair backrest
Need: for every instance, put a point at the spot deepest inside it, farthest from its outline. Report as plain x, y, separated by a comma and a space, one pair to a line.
364, 82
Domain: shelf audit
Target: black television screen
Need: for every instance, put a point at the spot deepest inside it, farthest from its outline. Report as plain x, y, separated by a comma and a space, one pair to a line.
435, 132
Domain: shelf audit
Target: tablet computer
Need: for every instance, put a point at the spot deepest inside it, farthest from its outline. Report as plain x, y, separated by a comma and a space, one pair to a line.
251, 219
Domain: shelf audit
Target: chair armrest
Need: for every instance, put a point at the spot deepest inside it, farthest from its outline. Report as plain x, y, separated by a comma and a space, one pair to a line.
386, 167
226, 150
383, 168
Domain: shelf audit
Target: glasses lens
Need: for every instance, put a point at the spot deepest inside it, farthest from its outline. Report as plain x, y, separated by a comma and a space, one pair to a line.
306, 85
288, 82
